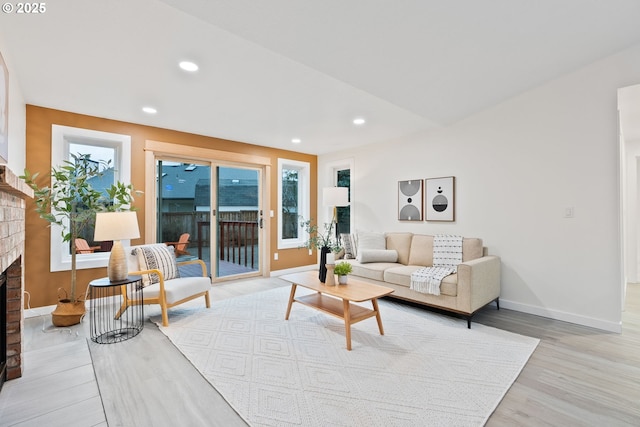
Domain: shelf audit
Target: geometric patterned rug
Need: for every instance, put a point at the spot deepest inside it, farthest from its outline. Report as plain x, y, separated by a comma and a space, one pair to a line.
428, 369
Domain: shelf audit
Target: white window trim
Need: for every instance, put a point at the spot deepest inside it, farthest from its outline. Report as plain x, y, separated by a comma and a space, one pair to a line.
61, 136
304, 205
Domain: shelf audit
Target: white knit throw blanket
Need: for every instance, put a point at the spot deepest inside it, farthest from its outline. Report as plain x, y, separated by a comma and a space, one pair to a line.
447, 254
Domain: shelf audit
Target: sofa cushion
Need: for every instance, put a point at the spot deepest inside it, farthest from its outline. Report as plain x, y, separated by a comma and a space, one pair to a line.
401, 275
401, 242
471, 248
178, 289
371, 240
374, 270
377, 255
421, 250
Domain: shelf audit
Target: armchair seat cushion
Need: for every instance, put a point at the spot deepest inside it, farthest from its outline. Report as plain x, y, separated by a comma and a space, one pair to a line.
178, 289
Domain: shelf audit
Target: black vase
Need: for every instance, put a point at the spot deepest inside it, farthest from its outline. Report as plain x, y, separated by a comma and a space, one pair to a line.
323, 263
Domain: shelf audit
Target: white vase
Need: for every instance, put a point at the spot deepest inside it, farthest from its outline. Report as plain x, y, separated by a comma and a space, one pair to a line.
342, 279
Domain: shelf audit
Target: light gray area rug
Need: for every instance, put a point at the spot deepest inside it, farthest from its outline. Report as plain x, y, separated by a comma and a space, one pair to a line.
427, 369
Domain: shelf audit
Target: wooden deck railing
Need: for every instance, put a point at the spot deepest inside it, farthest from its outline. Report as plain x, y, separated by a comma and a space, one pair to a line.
237, 234
238, 242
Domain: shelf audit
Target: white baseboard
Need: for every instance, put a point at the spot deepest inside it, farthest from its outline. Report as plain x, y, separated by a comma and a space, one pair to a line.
38, 311
563, 316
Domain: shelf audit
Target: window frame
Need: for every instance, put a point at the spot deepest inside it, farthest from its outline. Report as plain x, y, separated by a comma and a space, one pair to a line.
304, 200
61, 137
336, 171
330, 179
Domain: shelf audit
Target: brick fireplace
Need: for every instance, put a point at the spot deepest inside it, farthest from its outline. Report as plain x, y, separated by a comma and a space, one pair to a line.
13, 193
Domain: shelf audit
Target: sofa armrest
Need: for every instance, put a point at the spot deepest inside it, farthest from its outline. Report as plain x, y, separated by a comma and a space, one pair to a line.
478, 282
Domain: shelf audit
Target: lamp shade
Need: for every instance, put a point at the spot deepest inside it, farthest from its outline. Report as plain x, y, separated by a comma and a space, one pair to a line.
116, 226
335, 196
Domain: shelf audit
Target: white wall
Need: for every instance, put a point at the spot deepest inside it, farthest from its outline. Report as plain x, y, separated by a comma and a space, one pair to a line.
517, 167
17, 117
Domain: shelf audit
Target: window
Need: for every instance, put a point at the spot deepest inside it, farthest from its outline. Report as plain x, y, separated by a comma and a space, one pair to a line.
343, 179
293, 202
103, 147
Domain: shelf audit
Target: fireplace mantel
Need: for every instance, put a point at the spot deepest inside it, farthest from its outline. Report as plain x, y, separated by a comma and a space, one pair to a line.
10, 183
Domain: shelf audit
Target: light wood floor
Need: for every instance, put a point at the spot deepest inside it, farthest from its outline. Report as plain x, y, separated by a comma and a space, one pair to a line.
576, 377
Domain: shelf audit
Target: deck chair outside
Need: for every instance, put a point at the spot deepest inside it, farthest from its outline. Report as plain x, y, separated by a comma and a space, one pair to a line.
82, 247
181, 245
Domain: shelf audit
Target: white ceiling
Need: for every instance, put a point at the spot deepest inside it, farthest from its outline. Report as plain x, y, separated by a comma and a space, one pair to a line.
274, 70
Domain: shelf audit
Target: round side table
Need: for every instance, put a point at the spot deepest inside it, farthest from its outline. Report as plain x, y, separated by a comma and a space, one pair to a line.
106, 323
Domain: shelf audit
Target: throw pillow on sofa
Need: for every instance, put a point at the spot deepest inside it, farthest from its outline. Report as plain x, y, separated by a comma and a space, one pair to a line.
349, 246
377, 255
371, 240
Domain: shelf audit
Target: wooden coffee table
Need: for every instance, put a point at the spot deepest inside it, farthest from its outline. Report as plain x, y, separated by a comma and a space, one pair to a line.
336, 300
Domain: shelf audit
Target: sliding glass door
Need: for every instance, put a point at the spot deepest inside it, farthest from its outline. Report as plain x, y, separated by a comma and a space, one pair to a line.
238, 219
184, 208
192, 213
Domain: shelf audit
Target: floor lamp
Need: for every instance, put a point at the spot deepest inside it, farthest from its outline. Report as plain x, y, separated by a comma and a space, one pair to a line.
116, 226
335, 197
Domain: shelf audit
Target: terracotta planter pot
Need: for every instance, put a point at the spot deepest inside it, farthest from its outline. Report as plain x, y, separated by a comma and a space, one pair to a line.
67, 313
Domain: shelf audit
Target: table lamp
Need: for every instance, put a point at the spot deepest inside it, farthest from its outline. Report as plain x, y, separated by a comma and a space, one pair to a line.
116, 226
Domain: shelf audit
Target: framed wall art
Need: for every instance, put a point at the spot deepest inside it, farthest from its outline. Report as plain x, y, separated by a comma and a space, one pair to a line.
440, 200
410, 200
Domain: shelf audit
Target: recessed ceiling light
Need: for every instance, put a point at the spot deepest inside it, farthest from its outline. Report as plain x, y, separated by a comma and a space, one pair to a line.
149, 110
189, 66
296, 140
359, 121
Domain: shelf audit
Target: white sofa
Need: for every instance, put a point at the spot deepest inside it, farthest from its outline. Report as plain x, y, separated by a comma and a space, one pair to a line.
476, 284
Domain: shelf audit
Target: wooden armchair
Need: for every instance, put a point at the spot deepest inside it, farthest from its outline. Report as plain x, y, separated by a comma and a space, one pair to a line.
157, 265
82, 247
181, 244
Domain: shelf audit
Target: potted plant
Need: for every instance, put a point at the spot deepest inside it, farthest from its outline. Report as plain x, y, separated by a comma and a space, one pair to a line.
322, 240
71, 202
342, 269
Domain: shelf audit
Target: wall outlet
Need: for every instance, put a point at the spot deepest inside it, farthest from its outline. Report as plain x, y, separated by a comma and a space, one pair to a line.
310, 252
275, 256
568, 212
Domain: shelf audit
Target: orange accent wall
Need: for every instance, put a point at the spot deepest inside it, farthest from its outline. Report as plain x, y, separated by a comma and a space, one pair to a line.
43, 284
